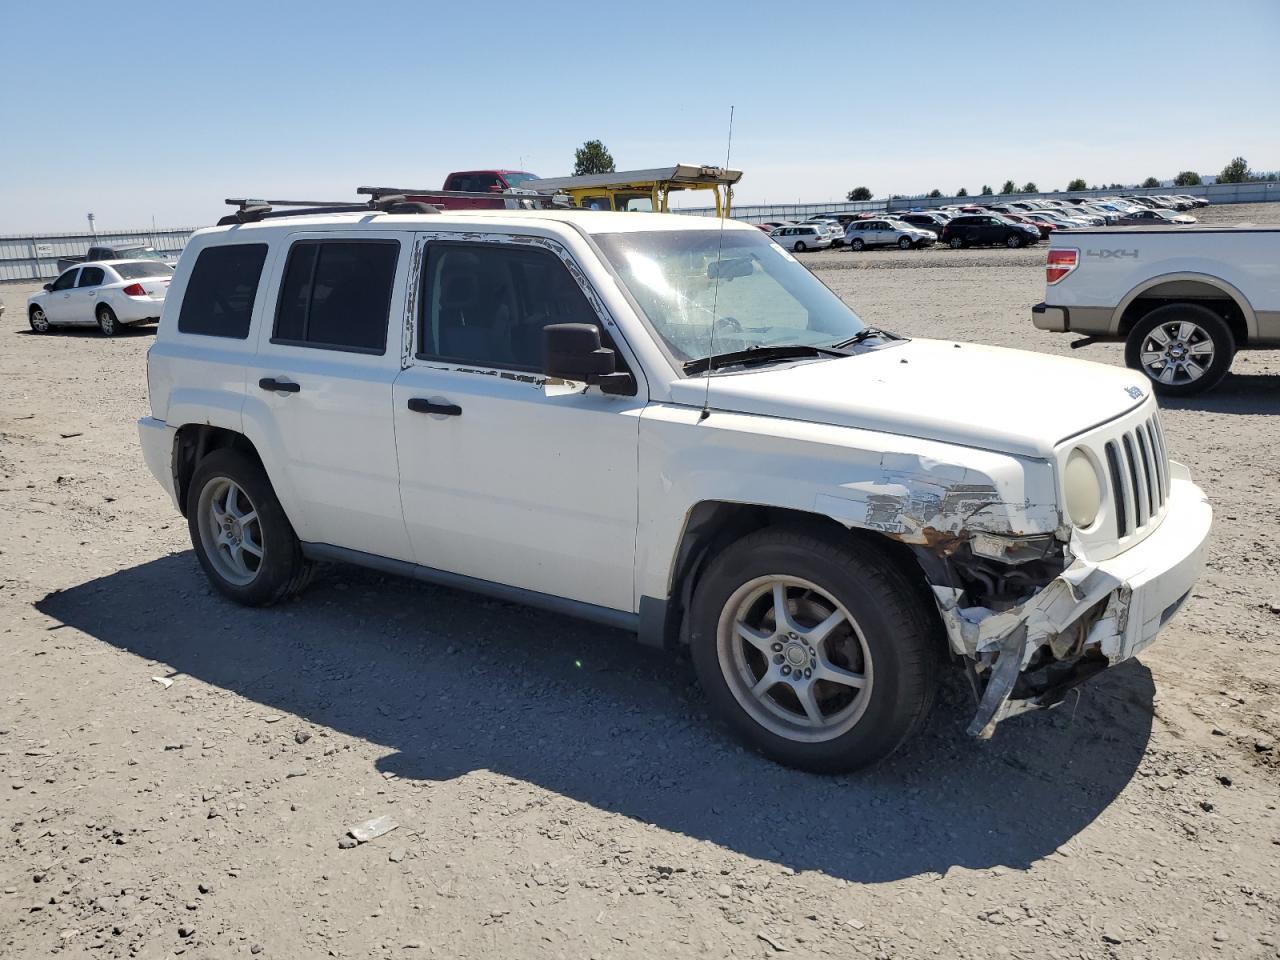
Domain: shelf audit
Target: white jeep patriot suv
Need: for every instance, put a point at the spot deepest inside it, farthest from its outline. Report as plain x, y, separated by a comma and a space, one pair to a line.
640, 420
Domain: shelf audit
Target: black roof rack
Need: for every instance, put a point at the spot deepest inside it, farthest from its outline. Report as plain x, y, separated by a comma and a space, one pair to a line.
253, 210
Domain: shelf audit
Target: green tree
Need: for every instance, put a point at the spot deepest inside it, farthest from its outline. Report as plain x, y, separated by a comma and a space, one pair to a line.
1237, 171
1076, 184
859, 193
986, 191
592, 157
1187, 178
1029, 187
962, 192
1151, 182
935, 192
1009, 187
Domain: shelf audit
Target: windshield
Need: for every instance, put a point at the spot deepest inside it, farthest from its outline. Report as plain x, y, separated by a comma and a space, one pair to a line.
136, 271
518, 178
765, 297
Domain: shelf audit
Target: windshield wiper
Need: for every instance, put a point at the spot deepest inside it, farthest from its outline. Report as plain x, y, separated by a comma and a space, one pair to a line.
760, 354
865, 333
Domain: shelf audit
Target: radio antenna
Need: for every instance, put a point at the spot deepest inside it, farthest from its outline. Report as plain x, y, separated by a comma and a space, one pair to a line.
715, 293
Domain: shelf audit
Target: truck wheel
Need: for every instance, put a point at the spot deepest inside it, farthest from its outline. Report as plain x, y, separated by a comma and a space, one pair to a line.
1183, 348
816, 655
1013, 241
240, 533
107, 322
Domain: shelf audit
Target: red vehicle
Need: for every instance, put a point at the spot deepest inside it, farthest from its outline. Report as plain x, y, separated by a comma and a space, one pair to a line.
460, 189
1044, 228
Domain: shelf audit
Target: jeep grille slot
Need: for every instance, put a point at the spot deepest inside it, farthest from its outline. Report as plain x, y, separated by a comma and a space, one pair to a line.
1141, 509
1118, 493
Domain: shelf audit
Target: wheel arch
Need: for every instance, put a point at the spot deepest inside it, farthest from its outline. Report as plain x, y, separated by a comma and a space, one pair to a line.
195, 441
1201, 289
712, 525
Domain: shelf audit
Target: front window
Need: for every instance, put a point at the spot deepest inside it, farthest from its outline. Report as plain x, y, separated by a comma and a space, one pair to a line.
758, 294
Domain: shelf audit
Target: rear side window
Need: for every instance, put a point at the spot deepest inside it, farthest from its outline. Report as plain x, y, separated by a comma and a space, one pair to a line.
336, 295
90, 277
221, 291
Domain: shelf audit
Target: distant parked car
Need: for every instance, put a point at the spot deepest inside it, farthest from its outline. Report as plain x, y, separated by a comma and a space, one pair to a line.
1154, 218
885, 232
110, 293
1042, 227
933, 222
802, 236
833, 227
988, 229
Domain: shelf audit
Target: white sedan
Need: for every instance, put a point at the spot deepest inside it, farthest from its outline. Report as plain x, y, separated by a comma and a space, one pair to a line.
109, 293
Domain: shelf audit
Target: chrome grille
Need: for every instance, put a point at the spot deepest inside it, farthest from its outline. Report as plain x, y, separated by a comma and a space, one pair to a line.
1138, 468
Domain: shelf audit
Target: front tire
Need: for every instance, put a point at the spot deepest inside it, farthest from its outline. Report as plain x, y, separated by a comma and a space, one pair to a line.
856, 244
38, 319
800, 247
240, 533
1183, 348
904, 243
1013, 241
956, 243
842, 676
107, 321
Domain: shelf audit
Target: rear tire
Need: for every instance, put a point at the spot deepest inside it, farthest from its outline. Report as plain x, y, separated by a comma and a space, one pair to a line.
956, 243
226, 531
107, 321
856, 243
1187, 344
787, 688
800, 247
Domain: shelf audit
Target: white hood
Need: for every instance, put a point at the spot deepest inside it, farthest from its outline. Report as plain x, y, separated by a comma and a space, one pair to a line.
1012, 401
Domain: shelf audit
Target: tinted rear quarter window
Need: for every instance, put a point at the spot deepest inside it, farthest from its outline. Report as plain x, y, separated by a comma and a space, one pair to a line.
336, 295
219, 298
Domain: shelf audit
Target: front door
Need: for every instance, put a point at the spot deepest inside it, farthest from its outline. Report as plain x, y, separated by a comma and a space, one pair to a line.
506, 476
321, 385
57, 305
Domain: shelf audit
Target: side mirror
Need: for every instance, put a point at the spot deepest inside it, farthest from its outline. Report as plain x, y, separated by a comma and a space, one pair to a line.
48, 286
572, 351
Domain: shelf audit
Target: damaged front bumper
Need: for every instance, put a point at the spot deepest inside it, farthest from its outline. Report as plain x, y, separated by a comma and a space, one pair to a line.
1091, 616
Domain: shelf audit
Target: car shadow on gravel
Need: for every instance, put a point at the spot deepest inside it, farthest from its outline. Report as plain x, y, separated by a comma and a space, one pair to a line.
1246, 393
451, 683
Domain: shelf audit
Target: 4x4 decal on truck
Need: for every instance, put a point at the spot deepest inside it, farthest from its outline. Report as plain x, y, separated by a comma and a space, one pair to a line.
1111, 254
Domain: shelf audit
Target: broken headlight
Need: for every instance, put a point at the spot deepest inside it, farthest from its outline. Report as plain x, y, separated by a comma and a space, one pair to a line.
1082, 487
1012, 549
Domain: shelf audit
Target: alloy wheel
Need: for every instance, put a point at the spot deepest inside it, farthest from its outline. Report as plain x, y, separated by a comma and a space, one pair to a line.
230, 531
794, 658
1177, 352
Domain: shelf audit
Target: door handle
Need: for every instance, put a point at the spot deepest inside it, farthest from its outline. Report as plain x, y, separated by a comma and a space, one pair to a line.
284, 386
423, 405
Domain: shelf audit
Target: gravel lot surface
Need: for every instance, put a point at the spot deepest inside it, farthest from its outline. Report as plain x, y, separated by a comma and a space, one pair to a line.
177, 773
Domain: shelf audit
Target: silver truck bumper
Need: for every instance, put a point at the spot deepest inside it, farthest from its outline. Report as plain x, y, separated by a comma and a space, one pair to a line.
1046, 317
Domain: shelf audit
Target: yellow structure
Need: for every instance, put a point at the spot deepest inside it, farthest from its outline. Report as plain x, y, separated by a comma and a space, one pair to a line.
647, 190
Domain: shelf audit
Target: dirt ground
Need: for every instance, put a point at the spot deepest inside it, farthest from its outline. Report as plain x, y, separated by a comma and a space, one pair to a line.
559, 791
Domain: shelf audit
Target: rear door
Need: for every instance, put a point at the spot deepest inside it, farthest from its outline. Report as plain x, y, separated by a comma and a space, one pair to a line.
85, 297
319, 386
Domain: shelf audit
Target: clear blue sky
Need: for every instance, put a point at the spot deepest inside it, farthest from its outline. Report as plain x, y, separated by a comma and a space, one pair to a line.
162, 109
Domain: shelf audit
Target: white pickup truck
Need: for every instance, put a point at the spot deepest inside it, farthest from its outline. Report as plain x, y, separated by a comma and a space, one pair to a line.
670, 426
1183, 299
